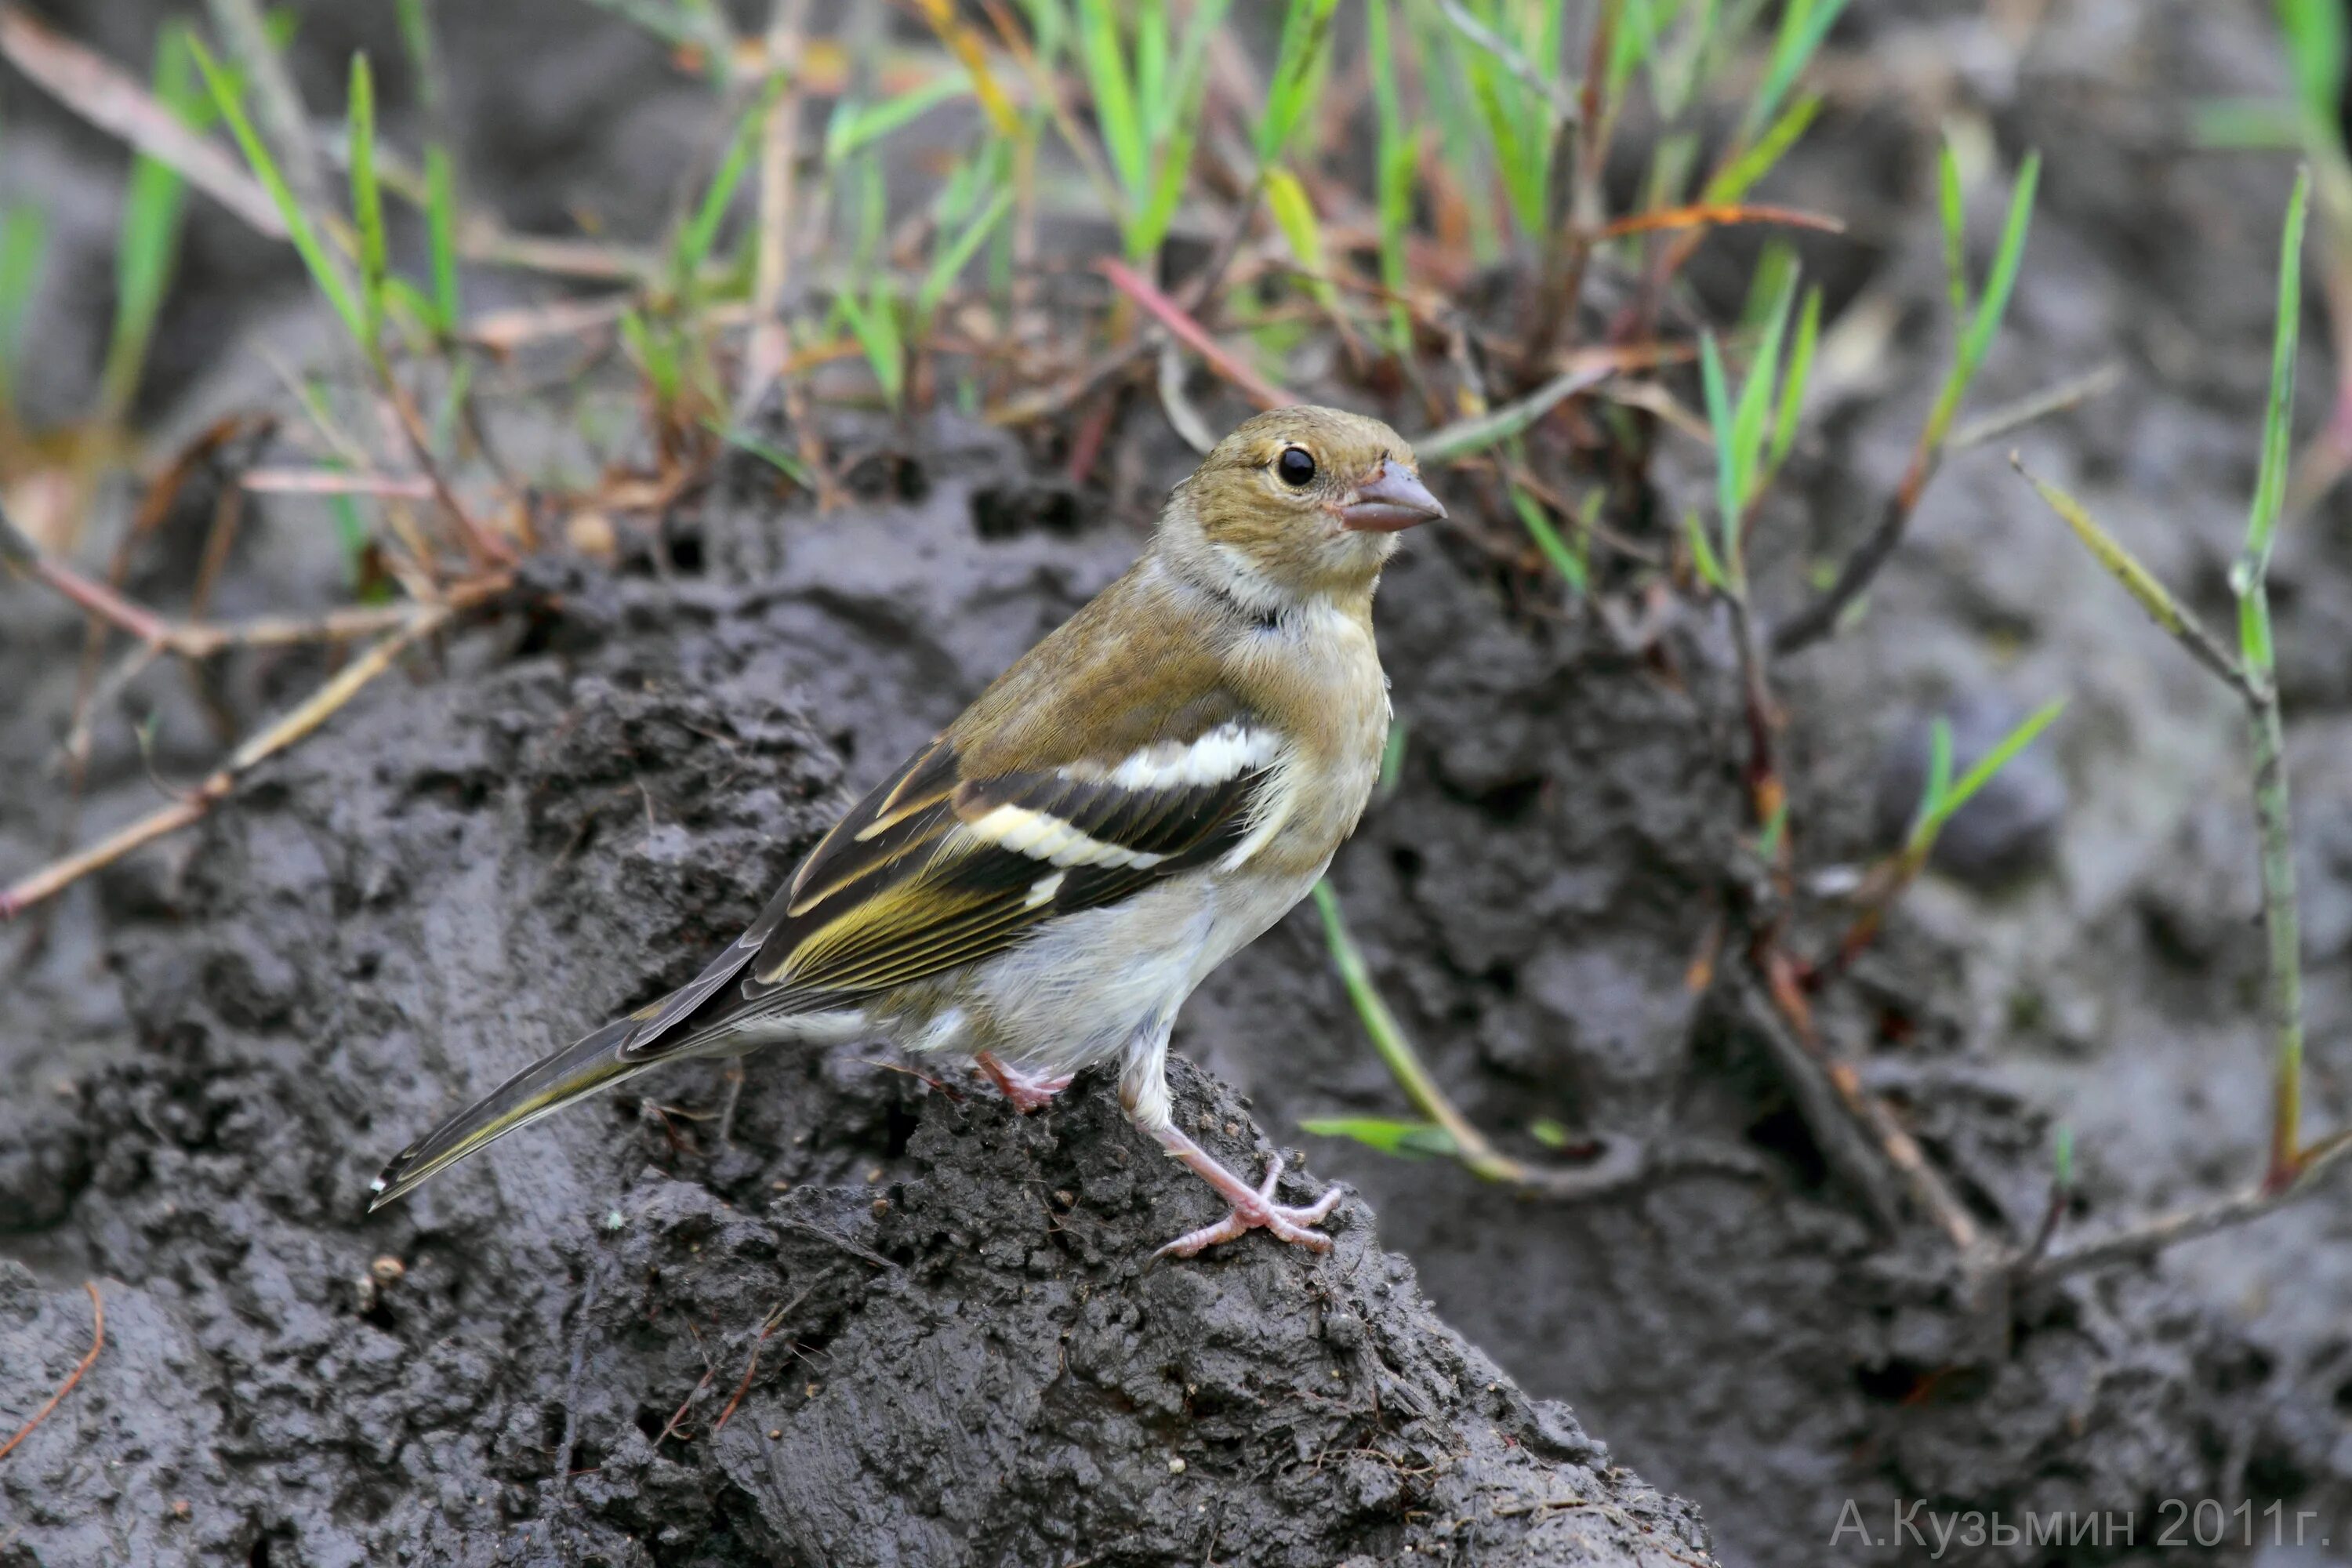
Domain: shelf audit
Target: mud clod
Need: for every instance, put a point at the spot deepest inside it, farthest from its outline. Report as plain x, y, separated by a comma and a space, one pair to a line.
885, 1324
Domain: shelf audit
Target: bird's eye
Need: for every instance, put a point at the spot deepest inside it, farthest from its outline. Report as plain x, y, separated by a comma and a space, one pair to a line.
1296, 467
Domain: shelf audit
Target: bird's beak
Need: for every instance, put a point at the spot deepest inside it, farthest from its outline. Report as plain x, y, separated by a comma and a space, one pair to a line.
1391, 499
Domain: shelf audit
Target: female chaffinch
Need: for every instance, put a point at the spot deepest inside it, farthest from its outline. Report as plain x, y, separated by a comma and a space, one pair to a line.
1145, 791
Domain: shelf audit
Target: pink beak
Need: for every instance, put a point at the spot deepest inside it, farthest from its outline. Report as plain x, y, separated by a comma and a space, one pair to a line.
1389, 501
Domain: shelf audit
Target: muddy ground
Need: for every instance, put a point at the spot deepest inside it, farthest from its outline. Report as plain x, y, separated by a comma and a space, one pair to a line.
218, 1042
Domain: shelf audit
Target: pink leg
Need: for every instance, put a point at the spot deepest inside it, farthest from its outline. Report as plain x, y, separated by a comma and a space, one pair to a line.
1254, 1208
1026, 1092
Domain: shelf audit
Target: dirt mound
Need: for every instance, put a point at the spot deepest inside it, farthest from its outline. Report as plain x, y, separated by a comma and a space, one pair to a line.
877, 1320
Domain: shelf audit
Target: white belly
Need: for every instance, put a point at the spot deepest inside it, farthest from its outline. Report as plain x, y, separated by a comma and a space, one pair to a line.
1089, 987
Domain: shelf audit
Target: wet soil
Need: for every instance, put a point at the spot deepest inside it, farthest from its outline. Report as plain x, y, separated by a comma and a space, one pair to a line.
879, 1321
218, 1042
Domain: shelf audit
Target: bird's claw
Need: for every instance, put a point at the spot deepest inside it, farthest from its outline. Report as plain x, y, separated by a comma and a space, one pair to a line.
1258, 1211
1027, 1091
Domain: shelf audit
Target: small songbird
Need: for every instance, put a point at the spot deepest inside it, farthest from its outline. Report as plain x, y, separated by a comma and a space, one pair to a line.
1040, 887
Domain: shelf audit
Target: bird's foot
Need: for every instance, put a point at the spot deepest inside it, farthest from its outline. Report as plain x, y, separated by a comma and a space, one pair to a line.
1254, 1208
1027, 1091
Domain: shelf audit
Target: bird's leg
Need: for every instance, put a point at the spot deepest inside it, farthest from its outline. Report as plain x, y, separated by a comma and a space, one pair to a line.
1027, 1091
1254, 1208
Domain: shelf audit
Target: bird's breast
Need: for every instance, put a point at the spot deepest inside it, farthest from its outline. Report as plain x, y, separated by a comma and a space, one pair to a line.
1322, 684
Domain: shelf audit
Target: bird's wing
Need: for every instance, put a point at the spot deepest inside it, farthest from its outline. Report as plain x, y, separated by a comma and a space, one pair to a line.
938, 866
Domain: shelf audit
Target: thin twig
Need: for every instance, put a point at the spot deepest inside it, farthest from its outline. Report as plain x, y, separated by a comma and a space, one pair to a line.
117, 103
1579, 148
18, 553
334, 482
1622, 1165
710, 1370
1563, 103
2144, 1241
314, 711
776, 1320
101, 691
278, 102
2293, 1165
1173, 316
1820, 619
842, 1242
1181, 416
1719, 215
97, 1344
482, 547
1784, 1021
1048, 91
204, 639
1845, 1145
2169, 614
2068, 394
771, 341
1465, 437
1471, 1147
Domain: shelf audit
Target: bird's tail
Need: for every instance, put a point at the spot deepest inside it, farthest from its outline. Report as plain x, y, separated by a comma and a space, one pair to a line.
550, 1084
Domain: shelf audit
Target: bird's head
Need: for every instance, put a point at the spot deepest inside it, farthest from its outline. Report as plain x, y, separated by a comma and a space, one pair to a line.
1298, 502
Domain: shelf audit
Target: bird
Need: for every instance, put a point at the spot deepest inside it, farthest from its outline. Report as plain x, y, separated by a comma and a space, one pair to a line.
1041, 886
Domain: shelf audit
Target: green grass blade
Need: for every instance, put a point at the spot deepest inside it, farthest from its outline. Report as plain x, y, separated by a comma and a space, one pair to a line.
2270, 486
441, 235
1955, 236
948, 265
415, 35
2314, 34
1792, 387
1152, 55
1986, 767
1944, 796
700, 235
2002, 279
857, 126
440, 170
654, 357
1927, 819
1728, 500
148, 246
1775, 270
1100, 48
1547, 540
23, 248
1173, 171
229, 99
2137, 580
1523, 160
352, 537
1756, 392
367, 200
1306, 27
1302, 230
767, 452
1702, 556
1803, 25
2246, 125
1409, 1139
875, 324
1634, 42
1737, 178
1394, 156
